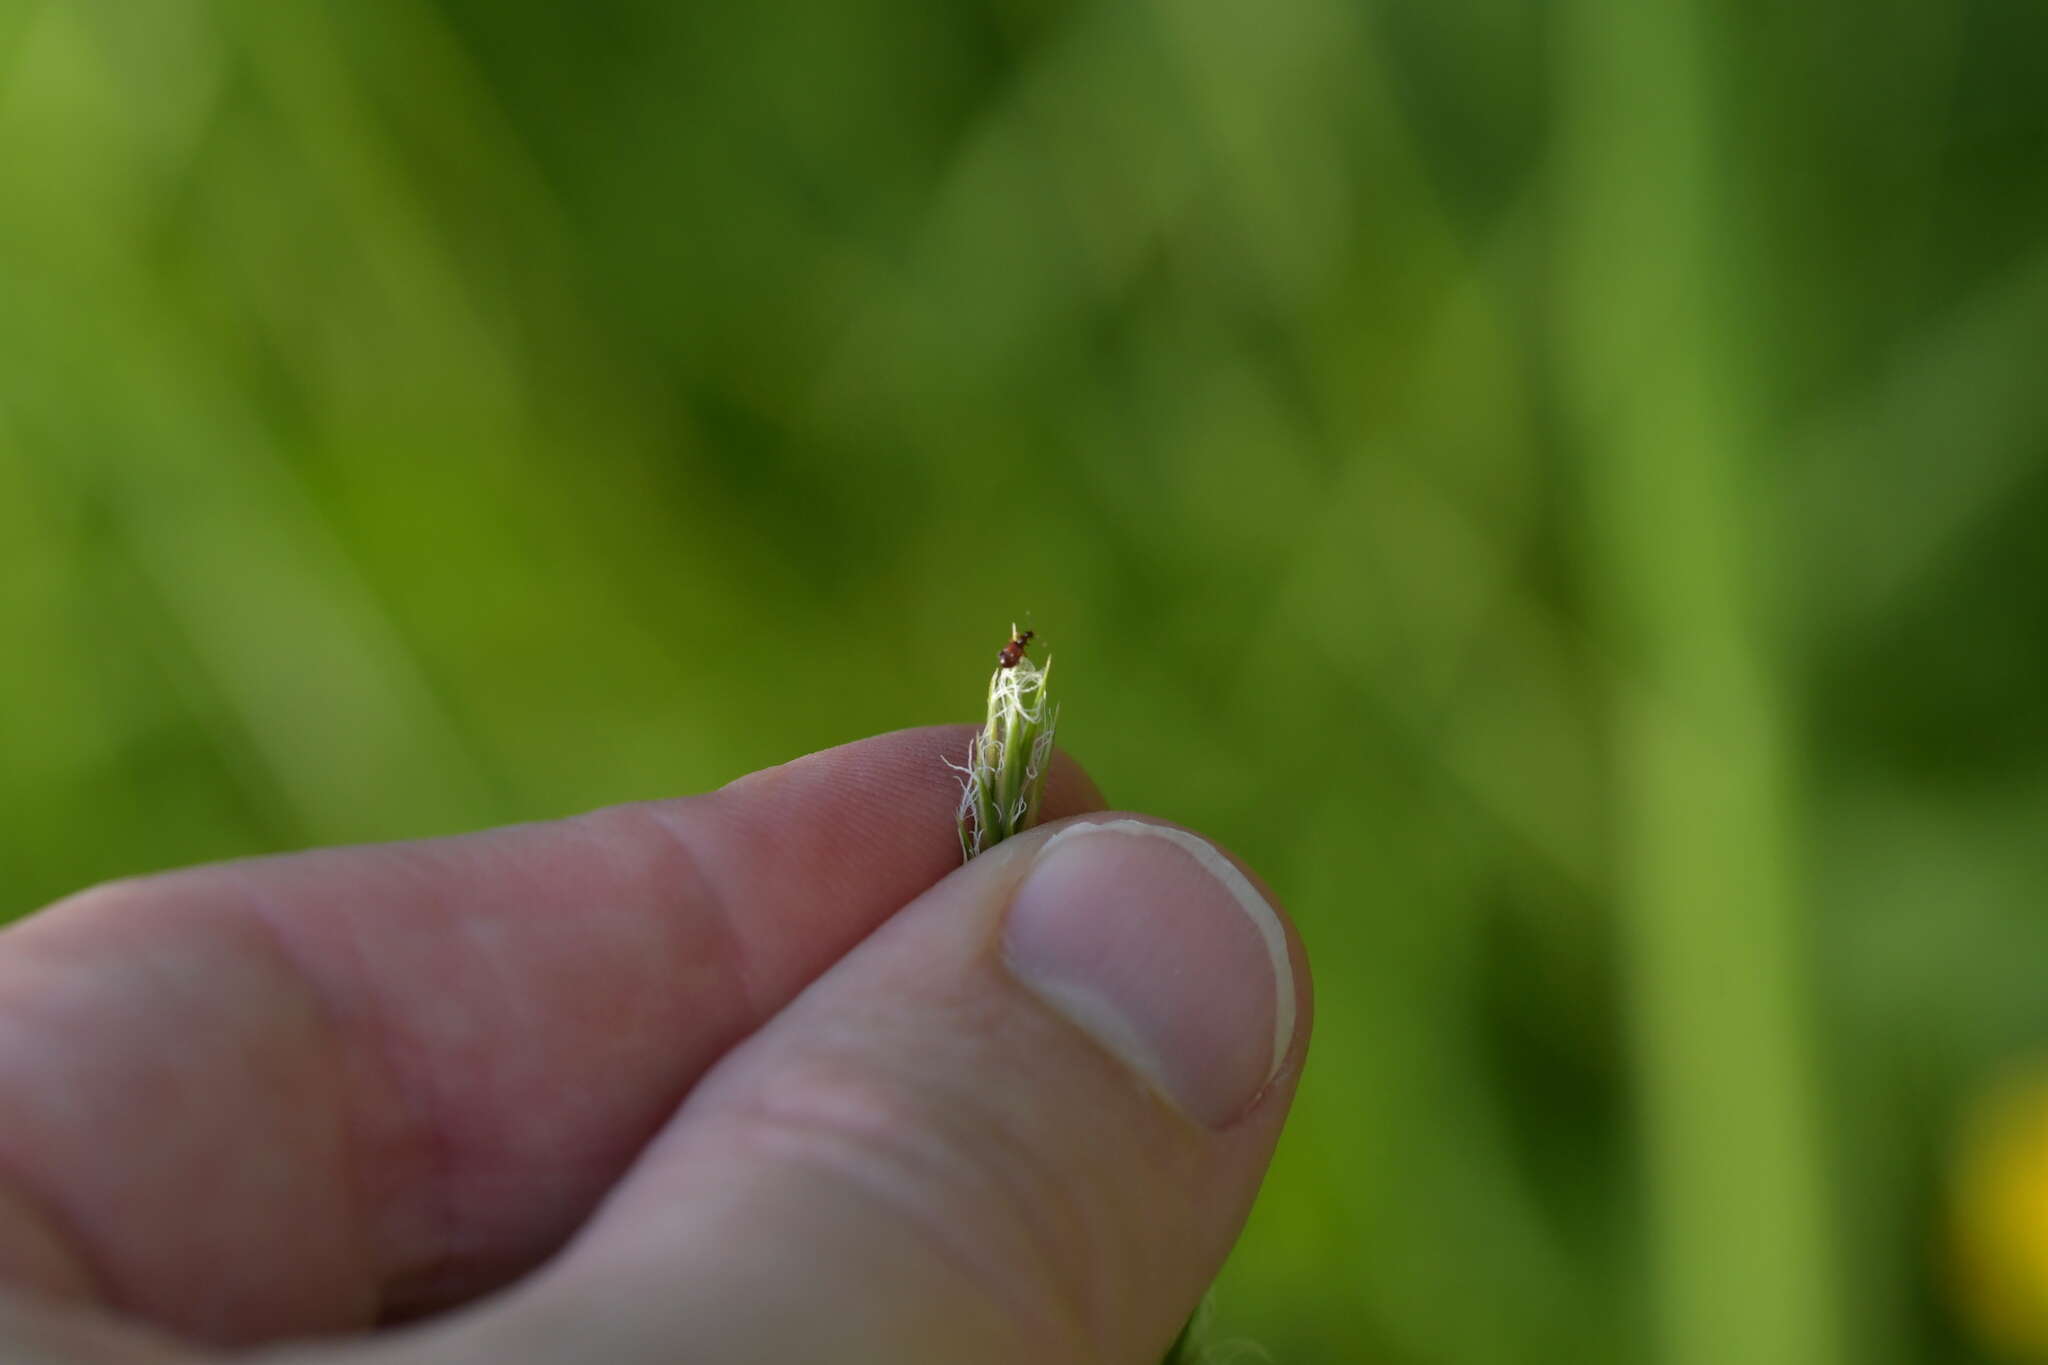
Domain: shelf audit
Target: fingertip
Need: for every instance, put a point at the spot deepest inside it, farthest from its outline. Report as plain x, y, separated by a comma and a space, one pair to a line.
909, 775
1158, 946
1071, 789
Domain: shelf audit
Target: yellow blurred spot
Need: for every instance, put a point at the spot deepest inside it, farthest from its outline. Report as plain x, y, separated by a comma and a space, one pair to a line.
2000, 1219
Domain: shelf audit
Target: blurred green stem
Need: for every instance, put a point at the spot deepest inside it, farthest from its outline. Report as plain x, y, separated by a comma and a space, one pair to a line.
1656, 327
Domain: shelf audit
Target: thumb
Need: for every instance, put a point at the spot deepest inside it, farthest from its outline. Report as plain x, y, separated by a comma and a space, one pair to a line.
1022, 1122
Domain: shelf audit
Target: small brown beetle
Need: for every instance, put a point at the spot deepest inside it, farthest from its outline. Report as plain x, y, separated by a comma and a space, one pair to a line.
1013, 652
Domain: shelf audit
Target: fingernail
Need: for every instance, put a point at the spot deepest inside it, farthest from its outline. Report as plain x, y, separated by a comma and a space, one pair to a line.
1154, 943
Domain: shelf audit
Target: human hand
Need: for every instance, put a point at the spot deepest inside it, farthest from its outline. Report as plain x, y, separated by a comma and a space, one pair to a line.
749, 1076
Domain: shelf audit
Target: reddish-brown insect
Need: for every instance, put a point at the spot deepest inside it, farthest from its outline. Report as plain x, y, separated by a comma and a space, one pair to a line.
1013, 652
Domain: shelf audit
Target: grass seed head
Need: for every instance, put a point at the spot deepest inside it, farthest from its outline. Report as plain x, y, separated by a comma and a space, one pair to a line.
1003, 782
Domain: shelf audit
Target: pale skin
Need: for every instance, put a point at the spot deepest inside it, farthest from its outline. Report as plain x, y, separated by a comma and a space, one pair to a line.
731, 1077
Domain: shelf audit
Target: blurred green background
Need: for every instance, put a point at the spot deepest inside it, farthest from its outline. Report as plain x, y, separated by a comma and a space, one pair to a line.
1559, 487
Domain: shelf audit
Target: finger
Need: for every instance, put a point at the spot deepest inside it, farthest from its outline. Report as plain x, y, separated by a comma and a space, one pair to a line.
1022, 1122
305, 1093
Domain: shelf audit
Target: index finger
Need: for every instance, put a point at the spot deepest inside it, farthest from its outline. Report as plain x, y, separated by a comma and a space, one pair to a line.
316, 1091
